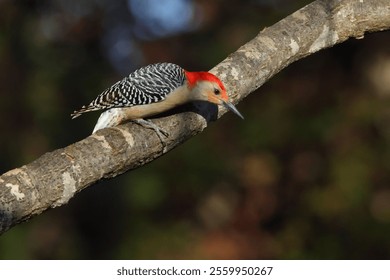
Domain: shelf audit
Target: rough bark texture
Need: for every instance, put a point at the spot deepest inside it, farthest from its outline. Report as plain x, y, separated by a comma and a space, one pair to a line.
54, 178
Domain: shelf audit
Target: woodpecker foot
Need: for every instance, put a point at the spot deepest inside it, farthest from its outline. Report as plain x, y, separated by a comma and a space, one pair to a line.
160, 132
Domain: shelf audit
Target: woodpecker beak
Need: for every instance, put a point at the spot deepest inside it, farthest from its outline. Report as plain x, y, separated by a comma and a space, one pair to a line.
232, 108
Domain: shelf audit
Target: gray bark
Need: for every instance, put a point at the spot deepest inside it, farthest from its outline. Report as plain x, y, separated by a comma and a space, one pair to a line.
54, 178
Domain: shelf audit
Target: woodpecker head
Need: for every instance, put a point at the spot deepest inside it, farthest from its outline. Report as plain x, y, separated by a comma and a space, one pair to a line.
207, 87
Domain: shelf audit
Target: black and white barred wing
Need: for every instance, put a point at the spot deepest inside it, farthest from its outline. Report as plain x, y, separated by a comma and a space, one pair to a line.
146, 85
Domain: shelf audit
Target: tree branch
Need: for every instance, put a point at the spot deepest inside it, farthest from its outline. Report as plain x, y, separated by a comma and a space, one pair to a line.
54, 178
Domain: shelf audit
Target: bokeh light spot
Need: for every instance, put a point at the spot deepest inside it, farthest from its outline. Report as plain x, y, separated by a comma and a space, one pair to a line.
161, 18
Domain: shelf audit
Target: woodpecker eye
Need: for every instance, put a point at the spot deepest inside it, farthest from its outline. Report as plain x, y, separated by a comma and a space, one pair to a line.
217, 91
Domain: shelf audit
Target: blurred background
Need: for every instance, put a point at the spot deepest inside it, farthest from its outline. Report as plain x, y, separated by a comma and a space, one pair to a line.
305, 176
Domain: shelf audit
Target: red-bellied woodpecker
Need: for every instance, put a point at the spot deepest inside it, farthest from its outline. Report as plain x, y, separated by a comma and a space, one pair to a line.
152, 90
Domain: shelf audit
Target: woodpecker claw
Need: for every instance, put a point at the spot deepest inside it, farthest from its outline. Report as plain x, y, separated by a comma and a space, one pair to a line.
160, 132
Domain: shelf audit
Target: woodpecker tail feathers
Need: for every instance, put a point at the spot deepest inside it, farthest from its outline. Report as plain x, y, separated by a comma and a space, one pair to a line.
84, 109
